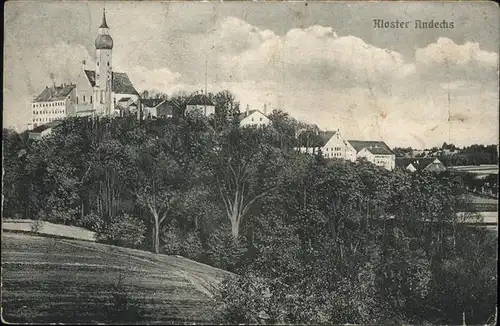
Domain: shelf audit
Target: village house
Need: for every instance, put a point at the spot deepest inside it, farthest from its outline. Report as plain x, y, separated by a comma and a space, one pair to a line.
331, 144
376, 152
253, 118
420, 164
158, 108
202, 104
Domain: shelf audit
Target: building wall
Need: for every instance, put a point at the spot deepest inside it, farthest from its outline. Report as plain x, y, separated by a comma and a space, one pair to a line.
385, 161
336, 147
210, 109
83, 89
43, 112
255, 119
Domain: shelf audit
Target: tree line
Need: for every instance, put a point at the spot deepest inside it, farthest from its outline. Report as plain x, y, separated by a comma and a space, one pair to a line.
468, 155
310, 239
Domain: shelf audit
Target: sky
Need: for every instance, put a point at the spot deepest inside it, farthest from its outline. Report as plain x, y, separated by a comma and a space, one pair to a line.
322, 62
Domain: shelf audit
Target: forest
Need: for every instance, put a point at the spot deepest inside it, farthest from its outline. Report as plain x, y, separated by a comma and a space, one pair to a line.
310, 240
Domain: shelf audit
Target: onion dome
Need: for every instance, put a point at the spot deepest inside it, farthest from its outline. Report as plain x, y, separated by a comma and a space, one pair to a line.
103, 41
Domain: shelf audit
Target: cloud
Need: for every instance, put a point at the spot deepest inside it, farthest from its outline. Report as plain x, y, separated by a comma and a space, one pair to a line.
445, 51
447, 61
315, 52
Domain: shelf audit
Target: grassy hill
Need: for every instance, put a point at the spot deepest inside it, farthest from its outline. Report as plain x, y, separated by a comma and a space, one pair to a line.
47, 280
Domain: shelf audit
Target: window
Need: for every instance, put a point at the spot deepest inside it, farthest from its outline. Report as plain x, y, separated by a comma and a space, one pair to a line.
97, 62
260, 119
90, 99
77, 100
252, 119
83, 98
108, 63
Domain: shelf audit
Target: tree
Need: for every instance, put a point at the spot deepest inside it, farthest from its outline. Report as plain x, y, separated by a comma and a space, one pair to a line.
158, 184
226, 108
246, 169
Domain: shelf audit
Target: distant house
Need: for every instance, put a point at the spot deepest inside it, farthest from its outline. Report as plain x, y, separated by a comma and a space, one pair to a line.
253, 118
376, 152
44, 130
202, 104
444, 152
158, 108
331, 144
420, 164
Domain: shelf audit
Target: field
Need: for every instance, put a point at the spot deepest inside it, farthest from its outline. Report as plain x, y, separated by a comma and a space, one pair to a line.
47, 280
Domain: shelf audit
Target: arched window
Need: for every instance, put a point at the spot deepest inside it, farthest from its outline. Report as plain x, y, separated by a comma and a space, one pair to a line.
108, 63
97, 62
83, 98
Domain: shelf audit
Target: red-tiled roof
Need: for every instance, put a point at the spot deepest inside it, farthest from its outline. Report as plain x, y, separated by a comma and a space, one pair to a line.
54, 93
121, 82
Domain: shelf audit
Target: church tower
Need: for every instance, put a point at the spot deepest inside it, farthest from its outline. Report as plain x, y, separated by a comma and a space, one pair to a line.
104, 70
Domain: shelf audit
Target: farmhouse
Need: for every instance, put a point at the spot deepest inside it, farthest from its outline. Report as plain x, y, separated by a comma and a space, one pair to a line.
253, 118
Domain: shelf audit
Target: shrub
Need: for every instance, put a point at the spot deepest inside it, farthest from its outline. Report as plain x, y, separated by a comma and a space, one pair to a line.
172, 242
92, 222
224, 251
187, 245
124, 230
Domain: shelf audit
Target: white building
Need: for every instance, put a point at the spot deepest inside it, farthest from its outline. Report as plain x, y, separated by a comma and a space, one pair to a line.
333, 145
202, 104
52, 104
376, 152
253, 118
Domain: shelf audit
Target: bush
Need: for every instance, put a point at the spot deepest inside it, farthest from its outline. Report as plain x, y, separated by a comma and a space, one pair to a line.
124, 231
92, 222
223, 251
188, 245
172, 242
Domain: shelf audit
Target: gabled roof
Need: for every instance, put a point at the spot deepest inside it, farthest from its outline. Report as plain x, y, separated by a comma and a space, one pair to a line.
325, 136
46, 126
418, 163
121, 82
243, 115
200, 99
54, 93
375, 147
